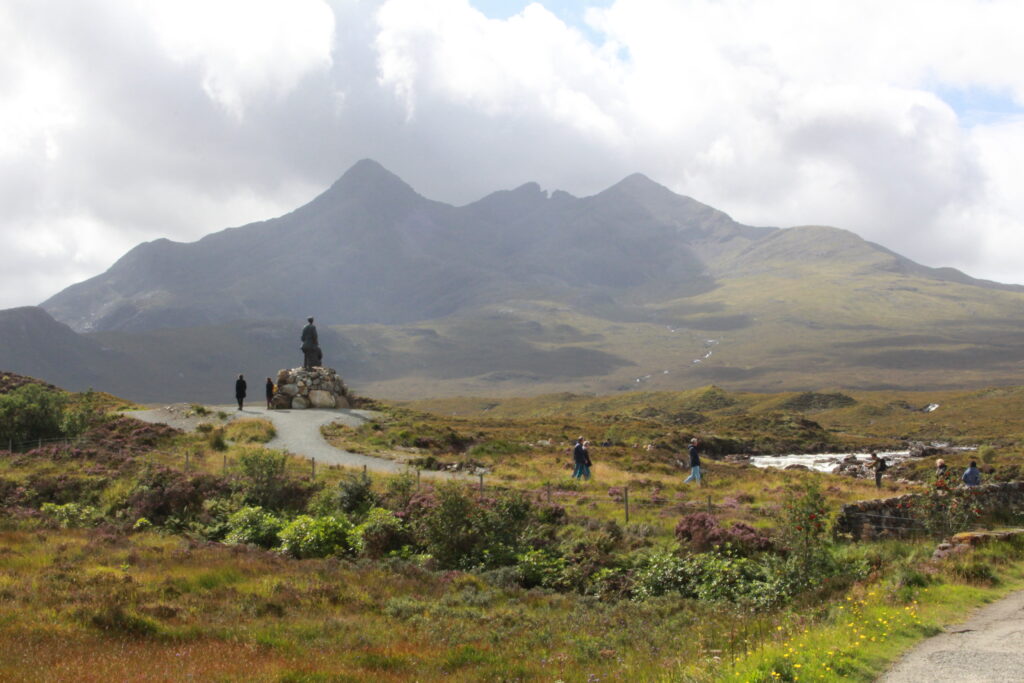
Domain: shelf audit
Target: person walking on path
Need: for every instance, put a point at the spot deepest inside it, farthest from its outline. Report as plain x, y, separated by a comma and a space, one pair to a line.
972, 475
878, 465
581, 460
694, 463
270, 392
240, 390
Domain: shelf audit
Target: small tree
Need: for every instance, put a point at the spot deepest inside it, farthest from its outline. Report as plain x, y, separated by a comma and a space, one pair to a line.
263, 475
804, 528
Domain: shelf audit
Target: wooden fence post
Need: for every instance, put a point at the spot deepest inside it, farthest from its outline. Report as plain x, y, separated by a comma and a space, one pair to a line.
312, 468
625, 499
481, 484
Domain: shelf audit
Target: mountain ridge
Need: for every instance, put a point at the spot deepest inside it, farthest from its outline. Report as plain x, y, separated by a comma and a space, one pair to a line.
528, 291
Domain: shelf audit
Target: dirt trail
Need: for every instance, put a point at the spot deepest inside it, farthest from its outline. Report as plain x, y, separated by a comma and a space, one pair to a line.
298, 432
989, 646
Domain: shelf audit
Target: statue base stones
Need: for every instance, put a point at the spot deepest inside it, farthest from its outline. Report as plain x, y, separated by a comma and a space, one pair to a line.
316, 387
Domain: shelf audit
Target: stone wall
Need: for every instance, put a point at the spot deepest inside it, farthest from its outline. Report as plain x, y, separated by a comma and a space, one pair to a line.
319, 387
893, 516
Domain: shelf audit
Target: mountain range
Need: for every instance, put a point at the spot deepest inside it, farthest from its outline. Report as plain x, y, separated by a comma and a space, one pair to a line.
521, 292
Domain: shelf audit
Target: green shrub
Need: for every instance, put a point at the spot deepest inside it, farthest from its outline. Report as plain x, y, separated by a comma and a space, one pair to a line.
717, 576
254, 525
541, 568
662, 572
263, 475
71, 515
355, 494
379, 534
82, 414
309, 536
31, 412
461, 532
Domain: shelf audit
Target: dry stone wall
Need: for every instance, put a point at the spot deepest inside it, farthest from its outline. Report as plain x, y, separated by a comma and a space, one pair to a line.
318, 387
894, 515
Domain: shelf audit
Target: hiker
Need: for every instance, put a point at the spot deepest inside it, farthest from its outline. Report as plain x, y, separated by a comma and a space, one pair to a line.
940, 469
581, 460
270, 392
240, 390
879, 465
972, 475
694, 463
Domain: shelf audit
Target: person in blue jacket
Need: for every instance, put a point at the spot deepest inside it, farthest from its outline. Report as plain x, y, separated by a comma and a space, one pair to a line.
972, 475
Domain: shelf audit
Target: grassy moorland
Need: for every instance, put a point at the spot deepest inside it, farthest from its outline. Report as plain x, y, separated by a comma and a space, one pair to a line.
137, 551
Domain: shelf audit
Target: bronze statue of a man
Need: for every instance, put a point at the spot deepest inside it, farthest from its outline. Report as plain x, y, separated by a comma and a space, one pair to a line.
311, 353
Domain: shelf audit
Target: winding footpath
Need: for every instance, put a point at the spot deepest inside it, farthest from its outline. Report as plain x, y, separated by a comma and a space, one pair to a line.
298, 432
988, 647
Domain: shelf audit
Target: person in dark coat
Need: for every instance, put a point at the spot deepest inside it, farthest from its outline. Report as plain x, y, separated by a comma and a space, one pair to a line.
270, 391
581, 460
694, 462
240, 390
311, 353
879, 465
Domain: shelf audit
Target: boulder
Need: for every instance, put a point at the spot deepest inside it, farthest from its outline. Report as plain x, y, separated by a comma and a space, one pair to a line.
281, 401
300, 402
288, 389
318, 398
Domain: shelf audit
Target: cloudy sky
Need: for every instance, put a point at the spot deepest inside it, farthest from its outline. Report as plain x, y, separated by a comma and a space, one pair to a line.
127, 120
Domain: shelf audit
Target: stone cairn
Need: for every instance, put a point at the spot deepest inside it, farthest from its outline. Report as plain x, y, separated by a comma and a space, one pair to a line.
315, 388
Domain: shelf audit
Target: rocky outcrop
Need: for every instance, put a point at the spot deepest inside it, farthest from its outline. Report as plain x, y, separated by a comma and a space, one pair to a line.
319, 387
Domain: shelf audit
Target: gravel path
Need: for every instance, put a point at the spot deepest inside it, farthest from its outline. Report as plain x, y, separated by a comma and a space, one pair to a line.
298, 432
987, 647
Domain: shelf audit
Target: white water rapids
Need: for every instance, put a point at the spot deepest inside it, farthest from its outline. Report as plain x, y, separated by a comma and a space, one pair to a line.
828, 462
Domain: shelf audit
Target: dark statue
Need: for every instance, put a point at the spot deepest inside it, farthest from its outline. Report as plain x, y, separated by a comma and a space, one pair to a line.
312, 356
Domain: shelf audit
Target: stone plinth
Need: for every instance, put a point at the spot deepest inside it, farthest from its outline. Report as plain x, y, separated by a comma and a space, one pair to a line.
316, 388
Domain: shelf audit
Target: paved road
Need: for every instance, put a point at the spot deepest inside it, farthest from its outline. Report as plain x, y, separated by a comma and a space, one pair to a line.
987, 647
298, 432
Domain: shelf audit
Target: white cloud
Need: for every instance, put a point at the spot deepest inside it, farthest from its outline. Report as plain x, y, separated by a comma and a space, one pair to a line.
127, 121
245, 47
